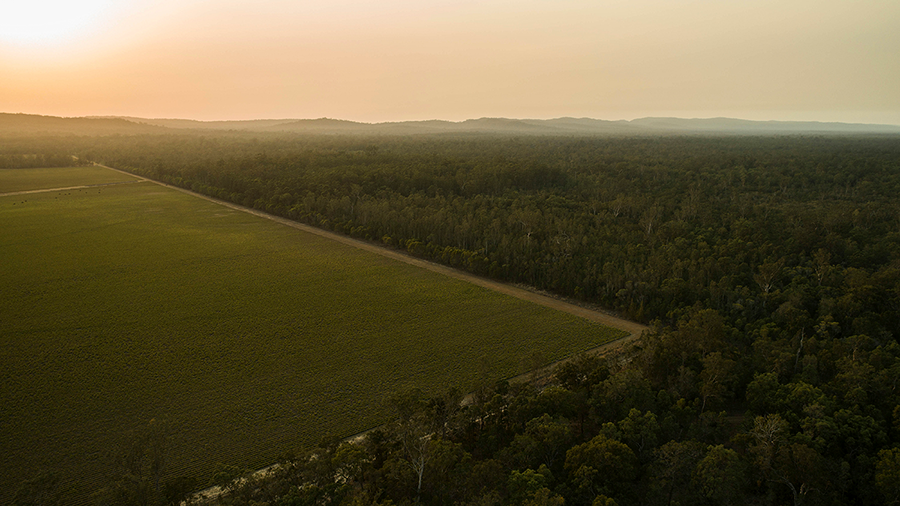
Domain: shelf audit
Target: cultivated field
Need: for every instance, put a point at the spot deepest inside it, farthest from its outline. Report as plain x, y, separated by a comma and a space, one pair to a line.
132, 302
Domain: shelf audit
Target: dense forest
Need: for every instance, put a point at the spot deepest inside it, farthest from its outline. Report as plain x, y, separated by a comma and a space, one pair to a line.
768, 268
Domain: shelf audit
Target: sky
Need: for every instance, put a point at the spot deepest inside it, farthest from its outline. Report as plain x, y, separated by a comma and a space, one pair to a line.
397, 60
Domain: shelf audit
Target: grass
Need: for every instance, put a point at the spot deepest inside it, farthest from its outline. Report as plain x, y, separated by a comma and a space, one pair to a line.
16, 180
251, 339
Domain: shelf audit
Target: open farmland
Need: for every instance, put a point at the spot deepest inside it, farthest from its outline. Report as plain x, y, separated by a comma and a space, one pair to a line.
127, 303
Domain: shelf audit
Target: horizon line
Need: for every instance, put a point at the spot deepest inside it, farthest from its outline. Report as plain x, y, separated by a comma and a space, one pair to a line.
330, 118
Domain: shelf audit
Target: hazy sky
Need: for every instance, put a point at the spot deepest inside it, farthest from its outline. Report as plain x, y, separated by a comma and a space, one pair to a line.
388, 60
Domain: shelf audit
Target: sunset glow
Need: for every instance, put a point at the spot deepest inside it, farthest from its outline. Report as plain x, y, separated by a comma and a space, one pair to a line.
48, 22
832, 60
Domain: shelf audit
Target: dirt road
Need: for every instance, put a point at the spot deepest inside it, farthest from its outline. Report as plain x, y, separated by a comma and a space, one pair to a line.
634, 329
45, 190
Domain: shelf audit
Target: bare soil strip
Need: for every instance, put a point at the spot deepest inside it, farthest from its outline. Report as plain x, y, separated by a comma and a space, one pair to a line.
45, 190
634, 329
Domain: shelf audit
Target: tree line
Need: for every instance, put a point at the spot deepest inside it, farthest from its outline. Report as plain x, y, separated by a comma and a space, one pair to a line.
29, 152
641, 226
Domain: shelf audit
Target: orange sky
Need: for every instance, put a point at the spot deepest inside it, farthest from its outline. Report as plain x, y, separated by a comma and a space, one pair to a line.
387, 60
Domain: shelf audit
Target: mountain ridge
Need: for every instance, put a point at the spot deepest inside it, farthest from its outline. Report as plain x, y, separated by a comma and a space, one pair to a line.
109, 125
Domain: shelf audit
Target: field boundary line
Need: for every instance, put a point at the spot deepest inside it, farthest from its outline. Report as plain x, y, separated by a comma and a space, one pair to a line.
633, 328
82, 187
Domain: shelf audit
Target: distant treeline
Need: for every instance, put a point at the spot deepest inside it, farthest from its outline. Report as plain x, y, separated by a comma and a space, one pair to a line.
31, 161
29, 153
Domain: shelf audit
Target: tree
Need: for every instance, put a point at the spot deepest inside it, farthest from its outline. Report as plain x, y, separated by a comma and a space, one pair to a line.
600, 466
414, 429
674, 467
767, 275
448, 465
640, 432
523, 485
613, 398
544, 441
720, 475
715, 377
350, 462
544, 497
579, 376
887, 474
794, 465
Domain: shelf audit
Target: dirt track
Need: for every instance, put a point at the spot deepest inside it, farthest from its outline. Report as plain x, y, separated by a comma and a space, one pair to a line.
634, 329
45, 190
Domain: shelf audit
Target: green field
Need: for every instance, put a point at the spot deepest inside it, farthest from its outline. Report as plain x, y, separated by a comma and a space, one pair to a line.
16, 180
125, 303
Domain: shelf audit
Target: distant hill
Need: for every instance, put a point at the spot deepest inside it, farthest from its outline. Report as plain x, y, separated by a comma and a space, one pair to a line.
253, 124
558, 126
741, 126
32, 124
